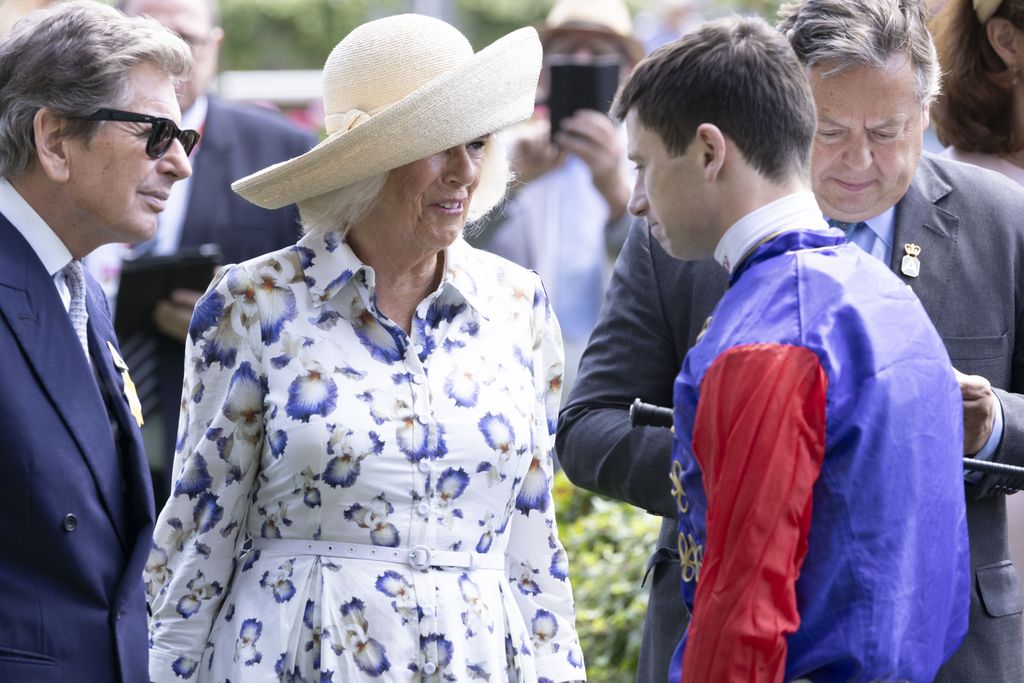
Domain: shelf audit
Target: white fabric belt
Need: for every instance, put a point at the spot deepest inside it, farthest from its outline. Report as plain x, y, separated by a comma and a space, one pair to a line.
417, 557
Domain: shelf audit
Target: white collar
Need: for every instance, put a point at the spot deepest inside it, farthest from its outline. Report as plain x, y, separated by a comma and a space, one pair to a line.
194, 118
43, 240
797, 211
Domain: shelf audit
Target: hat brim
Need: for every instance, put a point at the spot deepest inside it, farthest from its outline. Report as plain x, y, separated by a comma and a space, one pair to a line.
492, 90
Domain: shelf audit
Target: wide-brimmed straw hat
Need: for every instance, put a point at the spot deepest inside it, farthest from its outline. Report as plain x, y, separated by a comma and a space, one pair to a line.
604, 17
397, 90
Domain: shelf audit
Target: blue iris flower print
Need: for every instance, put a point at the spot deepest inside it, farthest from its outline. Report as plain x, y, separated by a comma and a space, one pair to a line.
306, 256
248, 635
497, 432
463, 388
277, 440
343, 469
332, 240
394, 585
206, 315
484, 544
451, 484
369, 654
308, 488
273, 521
533, 494
194, 479
475, 615
383, 344
276, 303
244, 402
183, 667
421, 441
545, 628
444, 649
559, 565
374, 517
312, 393
207, 512
199, 590
524, 579
280, 582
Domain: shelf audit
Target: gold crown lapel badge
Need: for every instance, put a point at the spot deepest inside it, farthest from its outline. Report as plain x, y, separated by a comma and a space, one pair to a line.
130, 393
911, 266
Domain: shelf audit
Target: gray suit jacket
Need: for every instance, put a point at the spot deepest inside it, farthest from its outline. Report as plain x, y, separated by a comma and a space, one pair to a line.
968, 223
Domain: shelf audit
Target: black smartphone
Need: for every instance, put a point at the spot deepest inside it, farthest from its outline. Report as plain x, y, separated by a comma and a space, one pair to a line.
573, 86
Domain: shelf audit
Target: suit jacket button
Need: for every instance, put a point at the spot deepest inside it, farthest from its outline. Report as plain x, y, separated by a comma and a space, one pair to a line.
70, 522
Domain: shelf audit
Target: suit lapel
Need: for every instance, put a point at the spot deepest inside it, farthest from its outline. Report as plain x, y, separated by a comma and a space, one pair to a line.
921, 221
138, 487
33, 309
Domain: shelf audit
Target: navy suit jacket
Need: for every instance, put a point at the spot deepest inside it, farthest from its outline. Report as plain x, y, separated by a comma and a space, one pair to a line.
968, 223
237, 141
77, 508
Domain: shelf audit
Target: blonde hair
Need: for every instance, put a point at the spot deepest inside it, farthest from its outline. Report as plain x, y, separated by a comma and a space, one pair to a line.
342, 208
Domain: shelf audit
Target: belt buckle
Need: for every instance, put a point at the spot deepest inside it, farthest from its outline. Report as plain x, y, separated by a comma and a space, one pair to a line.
419, 557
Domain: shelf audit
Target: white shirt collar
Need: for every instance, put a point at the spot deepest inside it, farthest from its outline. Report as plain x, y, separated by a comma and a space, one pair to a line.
798, 211
195, 117
43, 240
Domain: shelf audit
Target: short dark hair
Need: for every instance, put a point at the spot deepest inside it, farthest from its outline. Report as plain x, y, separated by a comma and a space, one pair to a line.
975, 114
738, 74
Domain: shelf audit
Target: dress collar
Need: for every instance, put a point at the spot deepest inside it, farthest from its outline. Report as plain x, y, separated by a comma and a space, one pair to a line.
330, 265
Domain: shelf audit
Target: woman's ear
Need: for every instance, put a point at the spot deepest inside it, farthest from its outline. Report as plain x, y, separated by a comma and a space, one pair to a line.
1007, 40
51, 144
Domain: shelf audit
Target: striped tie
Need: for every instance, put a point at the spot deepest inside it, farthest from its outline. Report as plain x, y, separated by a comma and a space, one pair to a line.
74, 278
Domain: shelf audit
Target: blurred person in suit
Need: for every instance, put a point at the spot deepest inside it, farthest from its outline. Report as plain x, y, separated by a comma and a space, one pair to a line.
951, 232
237, 140
90, 147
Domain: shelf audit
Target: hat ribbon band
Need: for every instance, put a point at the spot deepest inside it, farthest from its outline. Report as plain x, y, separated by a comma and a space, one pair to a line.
341, 123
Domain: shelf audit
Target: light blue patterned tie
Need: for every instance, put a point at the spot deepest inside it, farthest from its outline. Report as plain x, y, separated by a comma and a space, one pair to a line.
849, 228
74, 278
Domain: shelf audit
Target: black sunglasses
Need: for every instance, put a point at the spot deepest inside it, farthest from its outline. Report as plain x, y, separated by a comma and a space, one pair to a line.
161, 136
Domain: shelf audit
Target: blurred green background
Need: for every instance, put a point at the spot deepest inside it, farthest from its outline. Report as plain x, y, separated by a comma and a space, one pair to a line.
299, 34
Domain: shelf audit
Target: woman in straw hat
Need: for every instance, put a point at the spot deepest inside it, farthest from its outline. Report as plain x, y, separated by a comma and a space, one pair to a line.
363, 477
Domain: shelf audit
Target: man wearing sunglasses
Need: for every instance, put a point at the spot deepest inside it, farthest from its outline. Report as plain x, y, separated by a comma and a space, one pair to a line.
89, 148
202, 210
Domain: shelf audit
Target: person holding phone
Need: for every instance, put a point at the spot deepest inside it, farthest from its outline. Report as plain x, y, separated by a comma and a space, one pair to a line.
567, 217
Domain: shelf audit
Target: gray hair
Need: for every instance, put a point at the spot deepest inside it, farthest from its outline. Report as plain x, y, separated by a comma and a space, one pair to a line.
844, 33
342, 208
73, 59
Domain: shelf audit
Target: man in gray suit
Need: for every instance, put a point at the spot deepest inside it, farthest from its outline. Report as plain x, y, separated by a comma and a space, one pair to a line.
951, 232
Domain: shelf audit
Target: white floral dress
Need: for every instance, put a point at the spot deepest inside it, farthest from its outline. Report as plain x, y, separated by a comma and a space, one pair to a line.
306, 414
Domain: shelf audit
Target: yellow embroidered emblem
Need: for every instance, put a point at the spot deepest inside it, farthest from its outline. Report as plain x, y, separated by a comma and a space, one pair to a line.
130, 394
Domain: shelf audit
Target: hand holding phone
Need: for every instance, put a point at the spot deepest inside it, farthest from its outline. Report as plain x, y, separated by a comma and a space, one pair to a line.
574, 86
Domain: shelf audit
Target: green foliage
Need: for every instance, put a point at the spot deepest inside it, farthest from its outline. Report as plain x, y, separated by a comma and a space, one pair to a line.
299, 34
608, 544
291, 34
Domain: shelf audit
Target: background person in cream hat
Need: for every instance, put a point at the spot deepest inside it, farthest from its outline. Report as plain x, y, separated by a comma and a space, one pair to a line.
363, 478
567, 218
